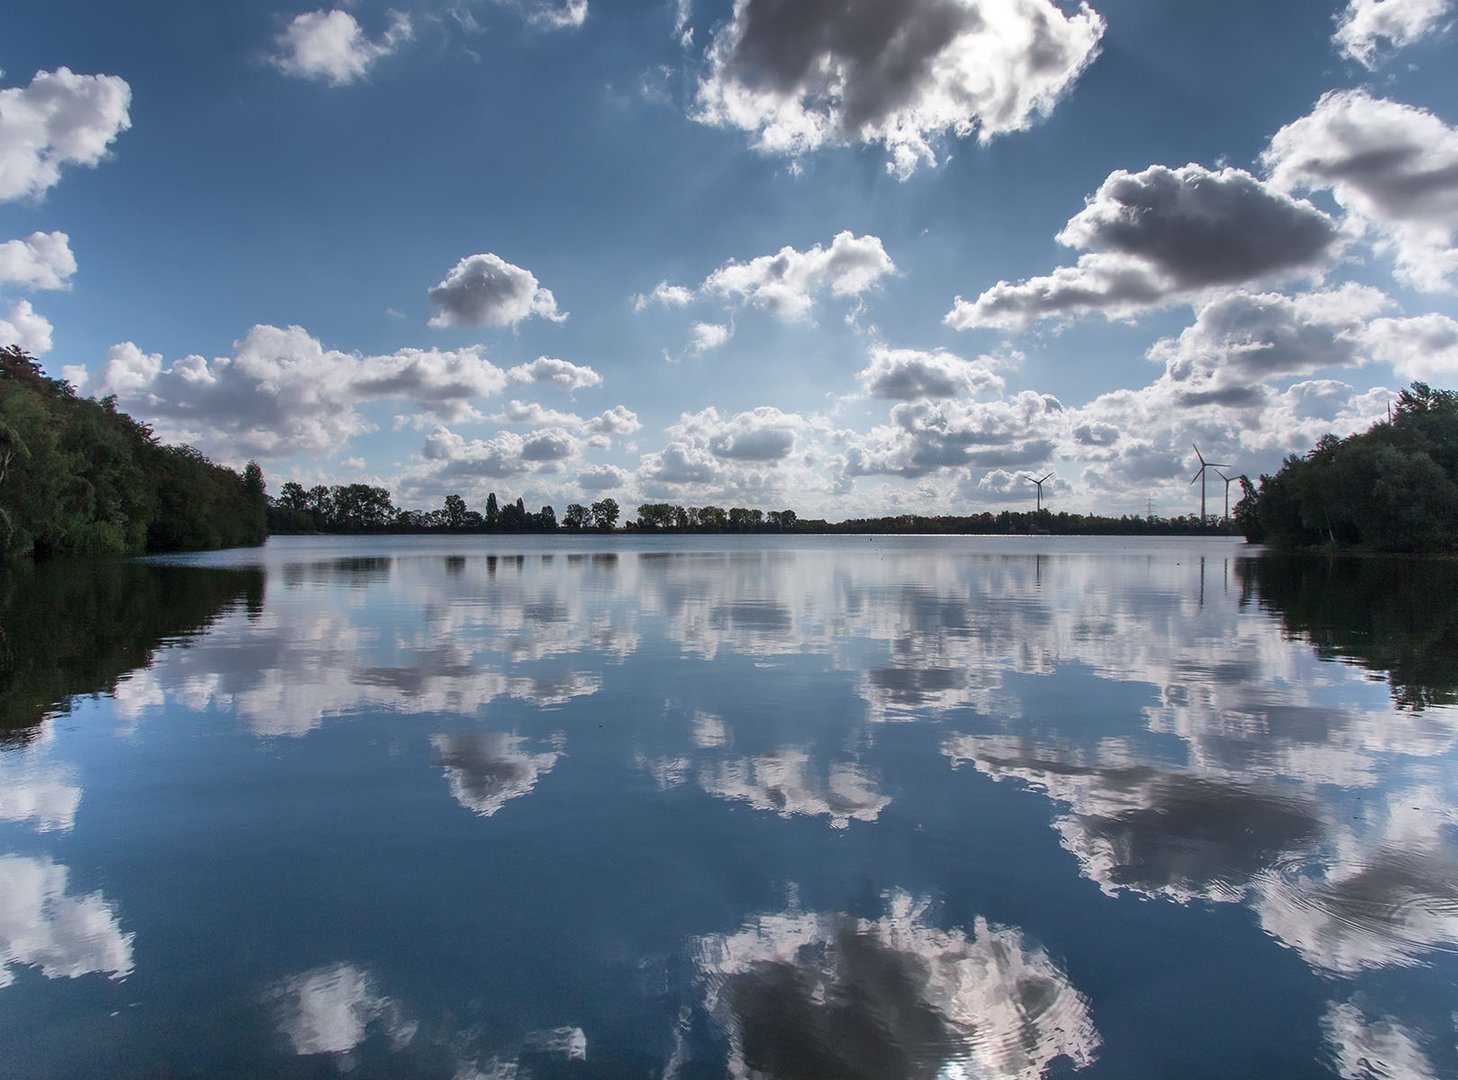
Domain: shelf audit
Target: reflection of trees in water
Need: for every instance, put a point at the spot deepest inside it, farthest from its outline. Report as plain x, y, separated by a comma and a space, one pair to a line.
1392, 615
76, 628
804, 996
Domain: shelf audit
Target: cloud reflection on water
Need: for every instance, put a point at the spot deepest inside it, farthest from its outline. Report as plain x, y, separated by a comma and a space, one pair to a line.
784, 782
1373, 1048
488, 770
46, 795
331, 1009
1190, 749
805, 995
45, 926
1241, 806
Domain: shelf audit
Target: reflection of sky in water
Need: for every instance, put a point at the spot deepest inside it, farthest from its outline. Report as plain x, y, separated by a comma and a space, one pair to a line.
39, 792
486, 770
331, 1009
44, 924
811, 995
653, 745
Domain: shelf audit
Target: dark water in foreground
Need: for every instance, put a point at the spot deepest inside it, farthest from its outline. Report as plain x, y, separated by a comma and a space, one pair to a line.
847, 807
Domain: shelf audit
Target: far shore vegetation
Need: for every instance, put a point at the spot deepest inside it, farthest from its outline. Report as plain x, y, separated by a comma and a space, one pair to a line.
78, 477
359, 509
1391, 488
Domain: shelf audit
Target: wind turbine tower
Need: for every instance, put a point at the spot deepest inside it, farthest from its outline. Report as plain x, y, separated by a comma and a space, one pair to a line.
1200, 476
1039, 485
1228, 481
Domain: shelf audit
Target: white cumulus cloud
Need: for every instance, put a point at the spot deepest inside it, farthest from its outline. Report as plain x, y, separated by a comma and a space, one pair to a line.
603, 478
486, 290
902, 73
453, 463
1158, 236
1367, 28
283, 392
60, 119
926, 437
39, 261
787, 283
1239, 340
332, 46
1393, 168
549, 371
25, 327
908, 374
706, 336
664, 294
619, 420
1423, 347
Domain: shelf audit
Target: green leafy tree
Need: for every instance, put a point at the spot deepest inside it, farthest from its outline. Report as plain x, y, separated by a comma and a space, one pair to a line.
293, 496
454, 512
1393, 487
655, 516
605, 514
256, 509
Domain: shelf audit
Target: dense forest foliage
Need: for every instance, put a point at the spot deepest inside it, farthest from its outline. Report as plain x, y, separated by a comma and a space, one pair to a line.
360, 508
1393, 487
76, 627
77, 477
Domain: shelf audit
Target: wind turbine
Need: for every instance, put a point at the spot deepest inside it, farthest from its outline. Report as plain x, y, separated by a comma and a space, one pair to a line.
1039, 485
1200, 476
1228, 481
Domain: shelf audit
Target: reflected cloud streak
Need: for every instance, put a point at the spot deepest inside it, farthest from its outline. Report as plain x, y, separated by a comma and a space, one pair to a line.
330, 1010
41, 794
43, 926
1364, 1048
1347, 899
783, 782
487, 771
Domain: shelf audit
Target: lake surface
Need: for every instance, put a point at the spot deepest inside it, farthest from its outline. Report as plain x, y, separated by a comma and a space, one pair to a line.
703, 807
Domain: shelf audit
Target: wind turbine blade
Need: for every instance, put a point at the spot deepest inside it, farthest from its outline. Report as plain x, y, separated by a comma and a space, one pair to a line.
1196, 477
1045, 478
1198, 454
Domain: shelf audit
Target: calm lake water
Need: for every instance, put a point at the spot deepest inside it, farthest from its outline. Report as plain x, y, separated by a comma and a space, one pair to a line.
705, 807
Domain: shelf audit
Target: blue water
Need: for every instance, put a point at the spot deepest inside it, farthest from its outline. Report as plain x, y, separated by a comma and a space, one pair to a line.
715, 806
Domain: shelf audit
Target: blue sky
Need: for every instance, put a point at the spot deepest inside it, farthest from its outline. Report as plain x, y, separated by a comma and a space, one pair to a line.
858, 257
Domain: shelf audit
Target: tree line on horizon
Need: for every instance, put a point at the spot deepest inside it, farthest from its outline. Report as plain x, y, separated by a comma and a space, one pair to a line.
362, 508
80, 477
1391, 488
